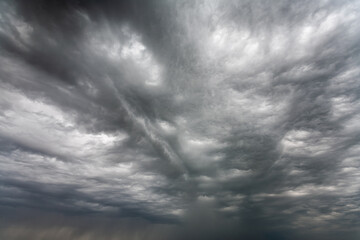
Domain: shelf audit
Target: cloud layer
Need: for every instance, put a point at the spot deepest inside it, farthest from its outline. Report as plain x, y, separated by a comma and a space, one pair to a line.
179, 119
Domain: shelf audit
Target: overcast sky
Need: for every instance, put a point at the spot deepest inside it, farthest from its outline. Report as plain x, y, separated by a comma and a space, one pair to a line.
179, 119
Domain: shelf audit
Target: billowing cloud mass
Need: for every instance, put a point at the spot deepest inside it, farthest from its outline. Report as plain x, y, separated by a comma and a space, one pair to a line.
179, 119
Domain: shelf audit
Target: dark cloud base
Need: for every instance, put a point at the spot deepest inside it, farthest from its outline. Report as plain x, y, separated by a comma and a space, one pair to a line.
179, 119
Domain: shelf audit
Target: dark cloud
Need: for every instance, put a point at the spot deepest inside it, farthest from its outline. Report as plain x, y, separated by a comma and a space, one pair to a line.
179, 119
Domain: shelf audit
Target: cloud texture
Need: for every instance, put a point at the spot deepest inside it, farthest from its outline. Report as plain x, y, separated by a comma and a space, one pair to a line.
179, 119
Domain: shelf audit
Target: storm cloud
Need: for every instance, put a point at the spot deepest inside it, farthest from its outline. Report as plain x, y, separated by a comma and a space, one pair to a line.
179, 119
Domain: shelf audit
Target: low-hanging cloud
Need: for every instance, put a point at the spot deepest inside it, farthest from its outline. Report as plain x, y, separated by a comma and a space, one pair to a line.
179, 119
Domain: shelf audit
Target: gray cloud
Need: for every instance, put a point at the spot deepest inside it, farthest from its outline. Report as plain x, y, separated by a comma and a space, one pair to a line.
179, 119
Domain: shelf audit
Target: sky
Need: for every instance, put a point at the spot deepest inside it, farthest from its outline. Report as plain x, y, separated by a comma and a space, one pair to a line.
189, 119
